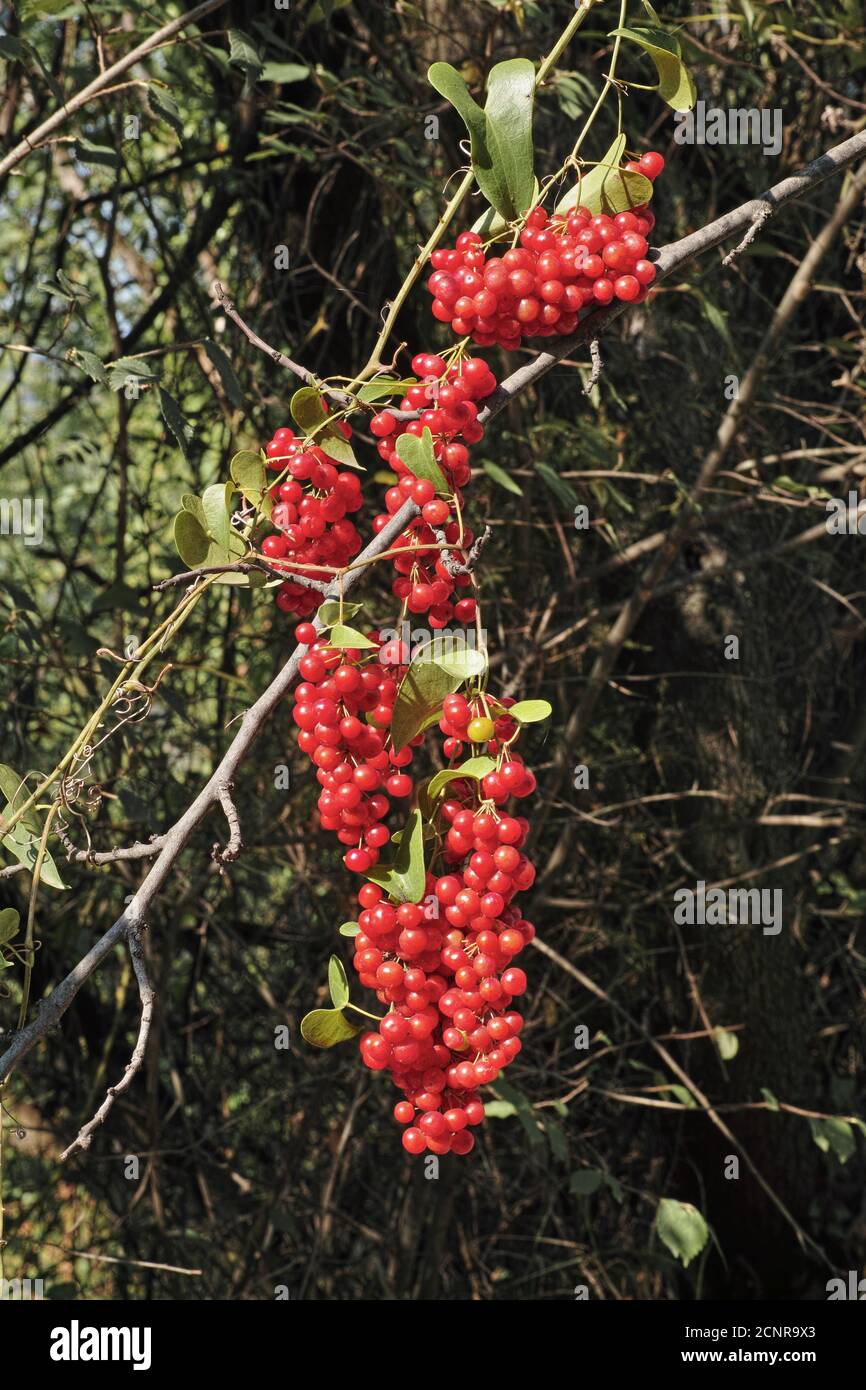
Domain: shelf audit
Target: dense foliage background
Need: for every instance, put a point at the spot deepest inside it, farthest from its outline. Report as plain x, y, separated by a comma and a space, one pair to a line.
297, 170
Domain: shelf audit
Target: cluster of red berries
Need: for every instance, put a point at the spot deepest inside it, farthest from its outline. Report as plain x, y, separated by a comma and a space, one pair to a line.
358, 773
310, 516
445, 968
447, 397
565, 263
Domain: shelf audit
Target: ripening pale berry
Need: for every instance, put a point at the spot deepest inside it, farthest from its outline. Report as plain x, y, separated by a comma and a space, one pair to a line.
480, 730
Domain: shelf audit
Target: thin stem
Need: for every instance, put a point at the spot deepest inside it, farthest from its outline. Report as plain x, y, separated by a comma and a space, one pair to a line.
608, 83
31, 915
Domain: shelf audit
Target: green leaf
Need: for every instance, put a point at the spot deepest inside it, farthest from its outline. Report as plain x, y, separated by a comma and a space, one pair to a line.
420, 695
462, 661
682, 1229
165, 108
525, 1113
836, 1134
417, 454
125, 367
88, 362
530, 711
338, 983
175, 420
607, 188
285, 72
348, 637
337, 447
473, 767
675, 83
308, 411
247, 470
86, 152
327, 1027
24, 839
230, 383
43, 9
557, 485
770, 1099
556, 1139
9, 923
449, 84
243, 53
349, 929
501, 134
307, 408
727, 1043
191, 539
385, 386
217, 516
405, 879
585, 1181
499, 475
329, 612
499, 1110
508, 111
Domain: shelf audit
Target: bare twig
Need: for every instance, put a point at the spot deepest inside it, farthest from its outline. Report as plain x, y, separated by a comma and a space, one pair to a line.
227, 854
141, 850
763, 215
597, 365
146, 995
244, 567
275, 355
449, 558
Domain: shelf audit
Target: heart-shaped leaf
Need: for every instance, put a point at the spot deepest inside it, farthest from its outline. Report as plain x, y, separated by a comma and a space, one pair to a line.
217, 515
348, 637
419, 698
682, 1228
460, 660
329, 612
417, 454
308, 411
248, 472
9, 922
405, 879
191, 539
607, 188
530, 711
385, 386
473, 767
675, 83
327, 1027
338, 983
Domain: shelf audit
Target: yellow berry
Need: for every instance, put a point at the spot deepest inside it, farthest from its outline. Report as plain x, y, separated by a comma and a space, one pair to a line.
480, 730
